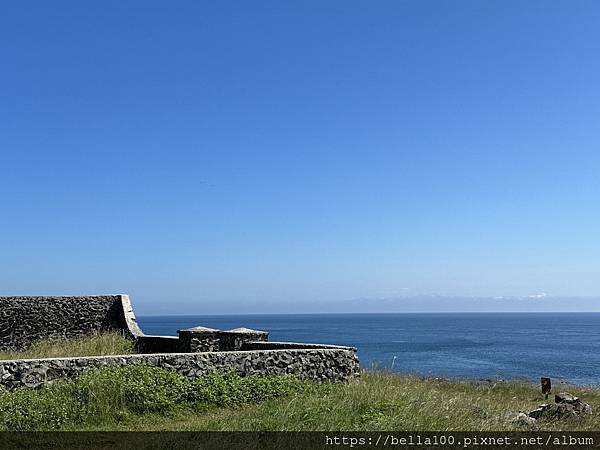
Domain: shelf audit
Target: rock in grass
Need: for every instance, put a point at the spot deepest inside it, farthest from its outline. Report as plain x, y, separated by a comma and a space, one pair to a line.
565, 397
567, 406
580, 407
523, 419
539, 412
557, 411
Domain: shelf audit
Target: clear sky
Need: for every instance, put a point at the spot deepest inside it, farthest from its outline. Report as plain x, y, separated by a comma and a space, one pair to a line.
271, 153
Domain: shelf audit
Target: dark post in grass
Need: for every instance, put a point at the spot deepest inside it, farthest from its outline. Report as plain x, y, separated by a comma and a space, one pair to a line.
546, 387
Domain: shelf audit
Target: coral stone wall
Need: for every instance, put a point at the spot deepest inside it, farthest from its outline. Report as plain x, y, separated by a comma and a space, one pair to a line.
326, 364
202, 339
24, 320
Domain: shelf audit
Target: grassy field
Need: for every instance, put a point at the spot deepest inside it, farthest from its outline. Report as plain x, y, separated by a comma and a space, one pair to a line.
97, 344
149, 398
377, 401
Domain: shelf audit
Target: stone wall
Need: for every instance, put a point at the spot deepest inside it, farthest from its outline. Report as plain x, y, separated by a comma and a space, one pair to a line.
202, 339
24, 320
327, 363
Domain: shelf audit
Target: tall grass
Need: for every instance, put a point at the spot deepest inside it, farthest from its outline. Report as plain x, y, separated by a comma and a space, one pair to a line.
110, 396
149, 398
95, 344
382, 401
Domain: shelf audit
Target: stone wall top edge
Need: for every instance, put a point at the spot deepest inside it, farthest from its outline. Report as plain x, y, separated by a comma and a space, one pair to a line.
150, 355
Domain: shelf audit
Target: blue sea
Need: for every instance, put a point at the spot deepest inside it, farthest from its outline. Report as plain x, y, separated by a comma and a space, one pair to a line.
563, 346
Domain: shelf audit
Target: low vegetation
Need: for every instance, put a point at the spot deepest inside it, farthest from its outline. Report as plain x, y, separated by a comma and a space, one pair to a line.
377, 401
113, 397
148, 398
96, 344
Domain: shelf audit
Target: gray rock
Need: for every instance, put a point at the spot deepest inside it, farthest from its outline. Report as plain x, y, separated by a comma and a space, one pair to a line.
559, 411
523, 419
567, 406
579, 406
565, 397
539, 412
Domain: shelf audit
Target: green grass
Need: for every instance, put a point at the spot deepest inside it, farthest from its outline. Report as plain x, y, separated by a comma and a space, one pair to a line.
149, 398
95, 344
378, 401
111, 397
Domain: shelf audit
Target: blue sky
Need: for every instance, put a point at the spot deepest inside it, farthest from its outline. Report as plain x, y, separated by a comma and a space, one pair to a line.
274, 153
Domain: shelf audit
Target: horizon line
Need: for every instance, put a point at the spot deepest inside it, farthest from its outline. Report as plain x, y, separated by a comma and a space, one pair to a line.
370, 313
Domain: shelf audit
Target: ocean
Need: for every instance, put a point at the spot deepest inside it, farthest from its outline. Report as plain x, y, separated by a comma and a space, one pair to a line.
563, 346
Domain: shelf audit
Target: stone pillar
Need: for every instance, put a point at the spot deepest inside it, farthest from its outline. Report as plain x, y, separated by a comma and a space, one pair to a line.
202, 339
198, 339
235, 339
